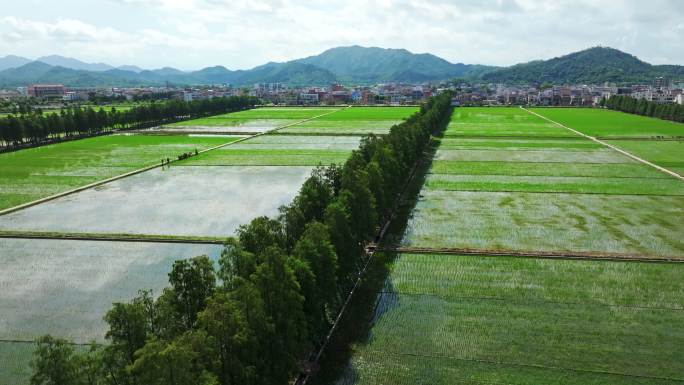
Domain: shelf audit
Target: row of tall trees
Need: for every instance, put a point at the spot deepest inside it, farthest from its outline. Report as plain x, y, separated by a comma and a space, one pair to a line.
644, 107
277, 288
37, 127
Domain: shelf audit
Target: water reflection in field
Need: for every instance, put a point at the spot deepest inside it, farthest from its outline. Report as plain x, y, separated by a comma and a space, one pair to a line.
209, 201
65, 287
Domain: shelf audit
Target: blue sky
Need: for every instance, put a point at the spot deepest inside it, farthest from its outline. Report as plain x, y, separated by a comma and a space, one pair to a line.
238, 34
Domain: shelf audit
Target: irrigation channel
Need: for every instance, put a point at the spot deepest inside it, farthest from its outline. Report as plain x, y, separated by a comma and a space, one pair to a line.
571, 255
106, 237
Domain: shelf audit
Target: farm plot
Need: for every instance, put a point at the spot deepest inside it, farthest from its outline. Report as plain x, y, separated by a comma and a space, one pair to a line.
498, 144
250, 121
549, 222
34, 173
540, 194
600, 155
497, 319
65, 287
556, 184
609, 170
201, 201
446, 318
609, 124
353, 121
667, 154
628, 132
502, 122
280, 150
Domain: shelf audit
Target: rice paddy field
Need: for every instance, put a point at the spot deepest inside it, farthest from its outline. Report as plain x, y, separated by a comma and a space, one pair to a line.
522, 193
280, 150
199, 201
607, 124
504, 180
655, 140
39, 172
64, 287
252, 121
353, 121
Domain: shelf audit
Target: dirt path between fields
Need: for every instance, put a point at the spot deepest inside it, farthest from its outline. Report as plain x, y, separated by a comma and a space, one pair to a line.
623, 152
621, 257
112, 237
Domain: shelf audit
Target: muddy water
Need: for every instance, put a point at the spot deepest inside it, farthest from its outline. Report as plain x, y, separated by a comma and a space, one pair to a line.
209, 201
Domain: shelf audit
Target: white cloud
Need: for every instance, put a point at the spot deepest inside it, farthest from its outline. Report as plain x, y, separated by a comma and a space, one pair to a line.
244, 33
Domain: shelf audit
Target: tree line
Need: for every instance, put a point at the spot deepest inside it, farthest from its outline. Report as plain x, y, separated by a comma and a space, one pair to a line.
36, 127
624, 103
276, 291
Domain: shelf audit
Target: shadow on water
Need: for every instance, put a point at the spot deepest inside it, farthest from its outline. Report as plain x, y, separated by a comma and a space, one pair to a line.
375, 296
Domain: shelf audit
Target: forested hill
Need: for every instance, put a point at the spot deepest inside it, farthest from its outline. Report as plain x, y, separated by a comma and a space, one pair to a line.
372, 65
591, 66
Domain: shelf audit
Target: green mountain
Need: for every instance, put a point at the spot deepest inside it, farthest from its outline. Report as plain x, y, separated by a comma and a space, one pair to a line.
592, 66
361, 65
357, 64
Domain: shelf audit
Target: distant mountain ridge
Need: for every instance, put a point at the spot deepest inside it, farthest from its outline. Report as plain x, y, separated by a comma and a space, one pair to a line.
350, 65
591, 66
12, 61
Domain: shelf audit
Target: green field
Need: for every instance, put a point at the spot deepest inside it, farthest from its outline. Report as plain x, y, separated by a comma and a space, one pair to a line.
451, 143
34, 173
354, 121
280, 115
599, 155
280, 150
372, 113
502, 122
634, 131
446, 319
506, 180
611, 124
610, 170
551, 222
668, 154
557, 184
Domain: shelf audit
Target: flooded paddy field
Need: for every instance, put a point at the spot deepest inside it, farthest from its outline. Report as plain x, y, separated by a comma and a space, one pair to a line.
202, 201
280, 150
35, 173
64, 288
254, 120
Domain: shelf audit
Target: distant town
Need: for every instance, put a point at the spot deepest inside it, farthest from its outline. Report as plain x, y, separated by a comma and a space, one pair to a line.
661, 90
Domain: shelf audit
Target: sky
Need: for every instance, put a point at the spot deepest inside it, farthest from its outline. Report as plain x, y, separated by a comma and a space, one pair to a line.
241, 34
